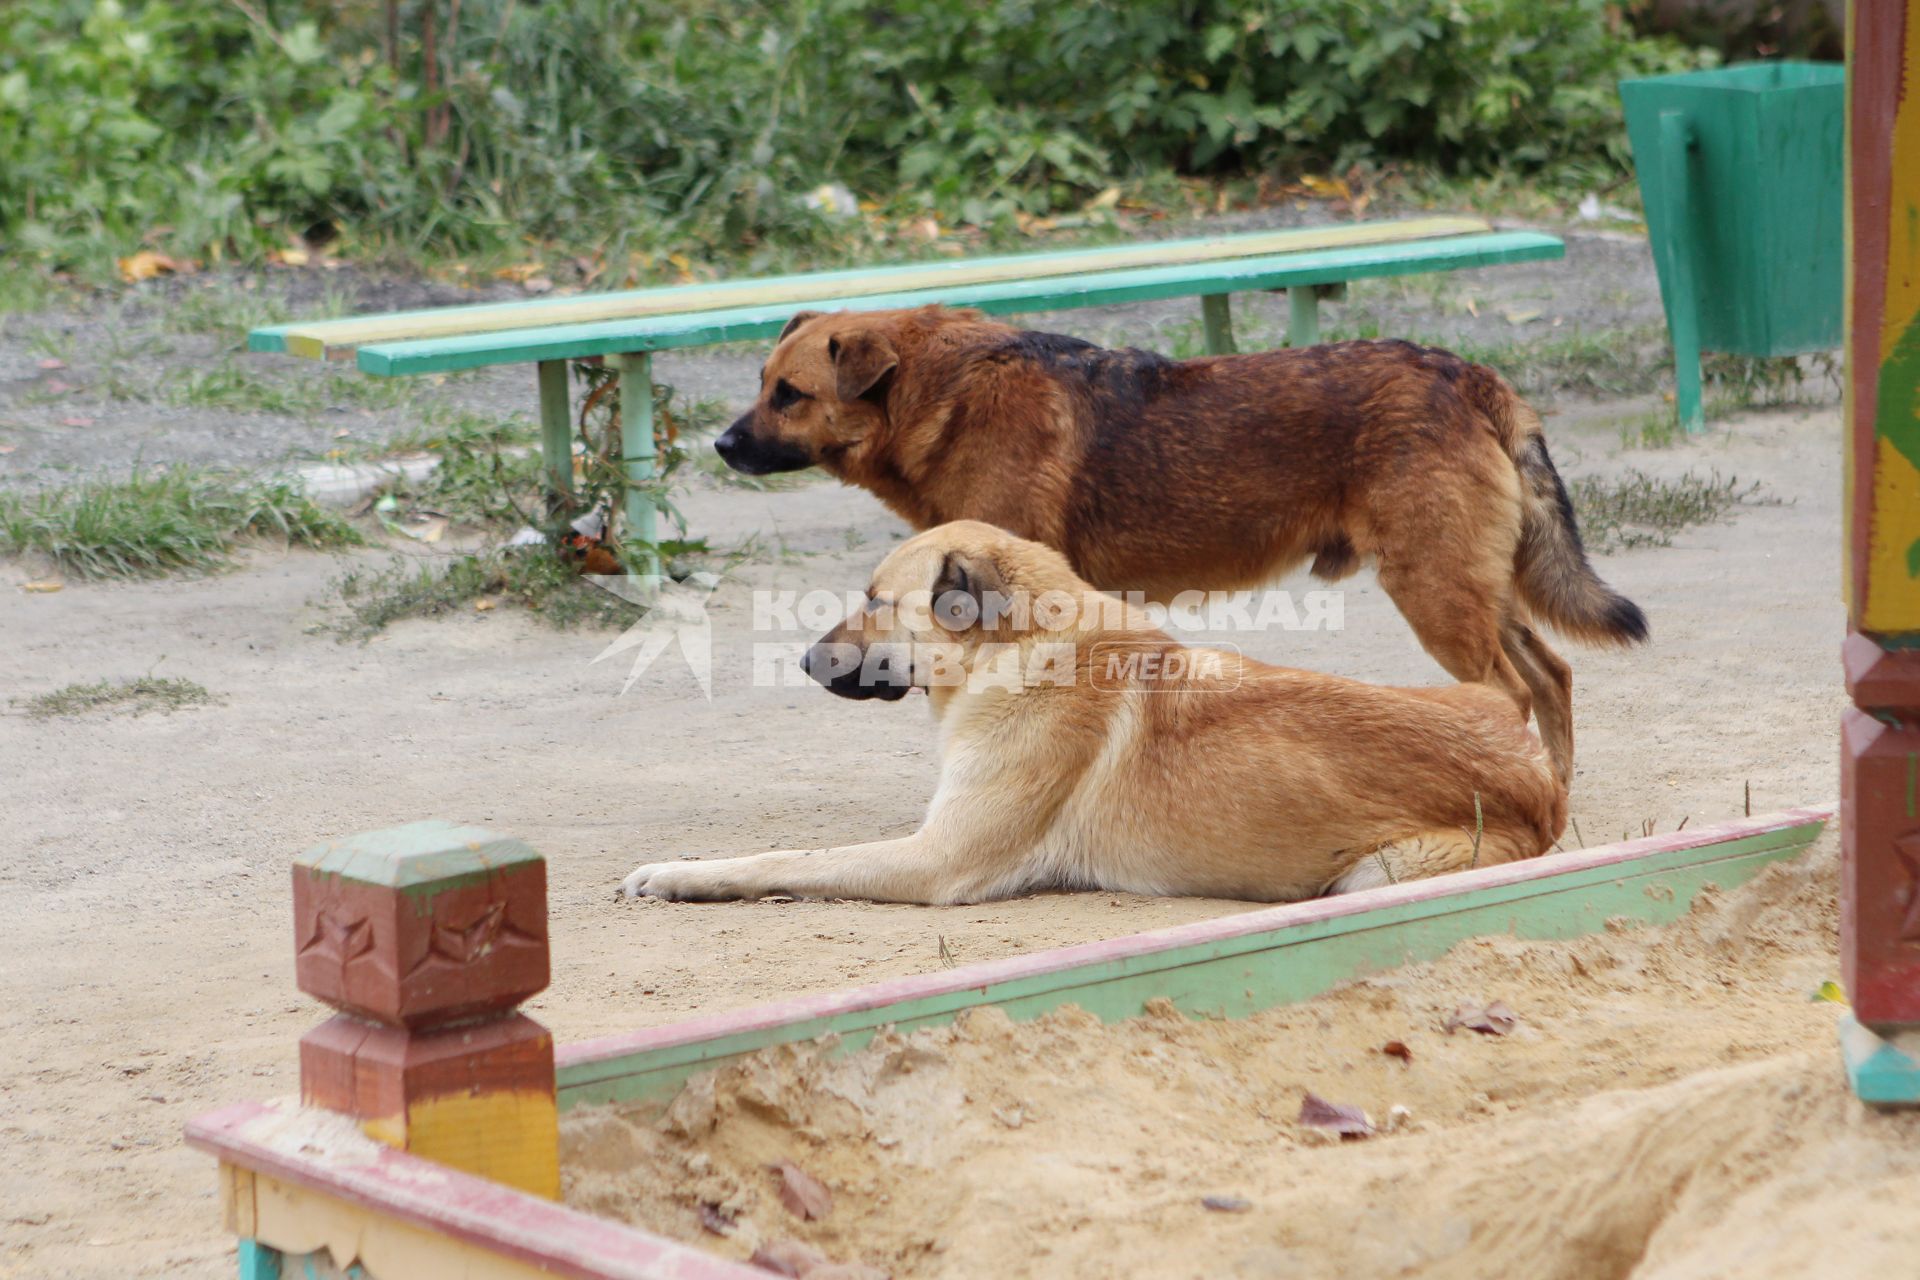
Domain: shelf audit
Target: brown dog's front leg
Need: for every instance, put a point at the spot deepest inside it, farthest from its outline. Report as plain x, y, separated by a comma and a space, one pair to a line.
911, 869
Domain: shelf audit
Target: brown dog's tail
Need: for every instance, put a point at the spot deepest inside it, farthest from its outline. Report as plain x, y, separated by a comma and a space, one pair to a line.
1551, 567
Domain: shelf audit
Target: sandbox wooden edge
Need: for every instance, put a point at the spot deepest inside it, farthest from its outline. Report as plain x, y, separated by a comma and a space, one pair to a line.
1230, 966
300, 1181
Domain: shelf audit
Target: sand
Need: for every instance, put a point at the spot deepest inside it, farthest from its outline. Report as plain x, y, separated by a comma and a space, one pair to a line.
1669, 1103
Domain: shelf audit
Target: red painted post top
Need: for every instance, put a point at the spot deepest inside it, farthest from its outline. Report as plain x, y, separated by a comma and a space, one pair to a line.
421, 925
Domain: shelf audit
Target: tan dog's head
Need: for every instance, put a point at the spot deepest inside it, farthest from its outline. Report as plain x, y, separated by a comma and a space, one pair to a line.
933, 603
821, 394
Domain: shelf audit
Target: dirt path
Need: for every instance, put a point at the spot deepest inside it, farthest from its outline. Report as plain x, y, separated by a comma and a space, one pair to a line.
144, 963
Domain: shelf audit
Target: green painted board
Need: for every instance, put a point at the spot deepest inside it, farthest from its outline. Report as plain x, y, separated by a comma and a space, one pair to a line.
1231, 966
660, 333
819, 287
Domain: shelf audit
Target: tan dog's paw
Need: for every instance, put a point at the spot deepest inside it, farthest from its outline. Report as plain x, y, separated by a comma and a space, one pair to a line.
677, 882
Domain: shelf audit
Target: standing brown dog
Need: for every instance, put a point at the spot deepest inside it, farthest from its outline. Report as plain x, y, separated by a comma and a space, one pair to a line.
1213, 474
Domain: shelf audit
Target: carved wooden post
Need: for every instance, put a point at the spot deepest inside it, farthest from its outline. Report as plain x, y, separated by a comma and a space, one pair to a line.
1880, 736
426, 937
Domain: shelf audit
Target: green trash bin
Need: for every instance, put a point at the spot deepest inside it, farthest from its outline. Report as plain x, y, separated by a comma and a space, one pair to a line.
1742, 173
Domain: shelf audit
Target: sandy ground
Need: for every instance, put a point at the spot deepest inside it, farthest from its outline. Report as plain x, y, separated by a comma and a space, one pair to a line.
145, 968
1667, 1104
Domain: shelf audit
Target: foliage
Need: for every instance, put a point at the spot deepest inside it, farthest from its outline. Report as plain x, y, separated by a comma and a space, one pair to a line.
1049, 100
160, 522
692, 129
135, 697
532, 578
1641, 510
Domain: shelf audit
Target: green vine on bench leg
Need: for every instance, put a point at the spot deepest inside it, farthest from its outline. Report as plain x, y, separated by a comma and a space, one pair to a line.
628, 483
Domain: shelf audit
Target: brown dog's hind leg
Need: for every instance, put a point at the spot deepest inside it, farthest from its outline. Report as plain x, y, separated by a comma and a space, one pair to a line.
1458, 621
1550, 680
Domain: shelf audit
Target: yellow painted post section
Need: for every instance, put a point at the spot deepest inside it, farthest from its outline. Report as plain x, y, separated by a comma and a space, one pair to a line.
1890, 602
297, 1221
509, 1136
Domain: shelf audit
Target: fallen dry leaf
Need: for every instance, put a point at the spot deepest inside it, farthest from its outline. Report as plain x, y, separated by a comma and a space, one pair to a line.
147, 264
1397, 1049
55, 387
1493, 1020
53, 362
8, 448
802, 1193
1349, 1122
42, 588
714, 1220
787, 1257
537, 284
289, 257
76, 422
484, 606
520, 272
1226, 1204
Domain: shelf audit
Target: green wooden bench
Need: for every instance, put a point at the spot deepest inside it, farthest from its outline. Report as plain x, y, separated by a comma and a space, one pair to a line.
624, 329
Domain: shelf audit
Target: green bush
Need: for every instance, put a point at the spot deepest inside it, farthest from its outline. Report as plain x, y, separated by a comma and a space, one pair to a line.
1048, 100
215, 126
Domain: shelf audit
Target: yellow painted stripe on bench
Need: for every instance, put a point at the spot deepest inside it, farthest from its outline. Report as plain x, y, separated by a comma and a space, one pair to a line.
333, 338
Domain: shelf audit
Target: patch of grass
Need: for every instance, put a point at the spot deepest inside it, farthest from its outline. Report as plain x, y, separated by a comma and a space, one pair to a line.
133, 697
26, 288
1640, 510
1654, 429
222, 310
47, 341
181, 519
1611, 364
237, 388
1735, 383
531, 578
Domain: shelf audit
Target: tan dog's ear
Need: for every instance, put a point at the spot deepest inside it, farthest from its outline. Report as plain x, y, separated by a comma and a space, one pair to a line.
969, 591
799, 318
860, 360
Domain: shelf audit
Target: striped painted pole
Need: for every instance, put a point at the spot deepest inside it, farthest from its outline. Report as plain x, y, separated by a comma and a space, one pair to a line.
1880, 733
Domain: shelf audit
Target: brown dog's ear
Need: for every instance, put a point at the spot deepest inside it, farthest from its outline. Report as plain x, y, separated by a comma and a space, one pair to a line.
799, 318
861, 359
969, 592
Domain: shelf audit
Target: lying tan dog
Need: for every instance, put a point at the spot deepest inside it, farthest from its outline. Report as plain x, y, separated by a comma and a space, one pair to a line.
1212, 474
1083, 749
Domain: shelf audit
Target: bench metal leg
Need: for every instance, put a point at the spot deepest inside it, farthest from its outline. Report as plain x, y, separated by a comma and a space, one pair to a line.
1217, 314
1303, 316
638, 455
556, 432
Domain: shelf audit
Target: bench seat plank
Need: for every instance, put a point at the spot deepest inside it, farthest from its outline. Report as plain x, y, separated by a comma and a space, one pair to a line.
665, 332
336, 338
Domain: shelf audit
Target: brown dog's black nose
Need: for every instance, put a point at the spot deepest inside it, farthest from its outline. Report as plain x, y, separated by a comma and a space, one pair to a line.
741, 450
